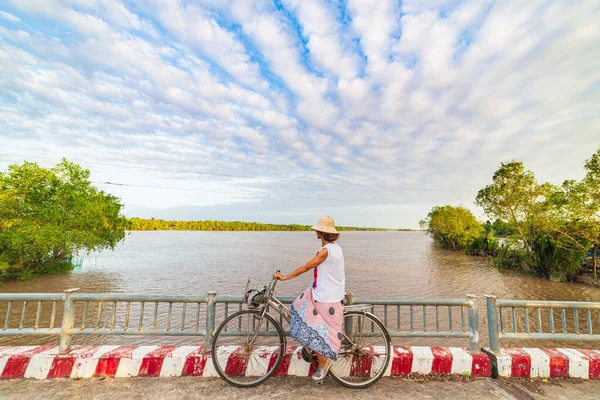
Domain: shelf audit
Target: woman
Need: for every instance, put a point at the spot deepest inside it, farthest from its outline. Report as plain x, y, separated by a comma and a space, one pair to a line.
317, 314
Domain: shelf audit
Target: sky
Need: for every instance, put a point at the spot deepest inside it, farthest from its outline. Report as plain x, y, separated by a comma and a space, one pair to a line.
371, 111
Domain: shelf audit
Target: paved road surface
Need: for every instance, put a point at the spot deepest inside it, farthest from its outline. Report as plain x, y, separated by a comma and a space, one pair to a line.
293, 388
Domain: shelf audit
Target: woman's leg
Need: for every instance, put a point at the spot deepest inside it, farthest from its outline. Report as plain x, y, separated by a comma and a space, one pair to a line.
322, 360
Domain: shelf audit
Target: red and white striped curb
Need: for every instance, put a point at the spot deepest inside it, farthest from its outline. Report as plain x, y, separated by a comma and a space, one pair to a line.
41, 362
546, 363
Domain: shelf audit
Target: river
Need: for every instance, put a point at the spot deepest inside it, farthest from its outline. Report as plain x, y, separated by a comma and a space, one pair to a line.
381, 264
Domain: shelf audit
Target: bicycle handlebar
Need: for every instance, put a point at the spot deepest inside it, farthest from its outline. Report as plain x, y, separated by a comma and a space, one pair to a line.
273, 282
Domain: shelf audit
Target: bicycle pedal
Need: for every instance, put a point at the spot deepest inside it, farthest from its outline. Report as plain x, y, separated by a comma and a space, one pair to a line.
319, 382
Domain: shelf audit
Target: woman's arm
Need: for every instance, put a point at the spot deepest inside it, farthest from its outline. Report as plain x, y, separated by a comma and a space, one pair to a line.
319, 258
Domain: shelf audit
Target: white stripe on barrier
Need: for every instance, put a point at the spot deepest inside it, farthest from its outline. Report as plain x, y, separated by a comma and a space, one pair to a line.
504, 363
223, 352
40, 364
422, 359
540, 363
85, 367
462, 361
298, 367
259, 360
377, 361
131, 366
388, 371
579, 365
209, 369
174, 361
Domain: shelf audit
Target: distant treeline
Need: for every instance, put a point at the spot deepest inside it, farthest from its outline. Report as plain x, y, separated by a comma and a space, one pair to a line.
139, 224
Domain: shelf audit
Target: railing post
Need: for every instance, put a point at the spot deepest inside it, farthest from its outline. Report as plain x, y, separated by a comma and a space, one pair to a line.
67, 322
491, 303
473, 323
348, 300
210, 320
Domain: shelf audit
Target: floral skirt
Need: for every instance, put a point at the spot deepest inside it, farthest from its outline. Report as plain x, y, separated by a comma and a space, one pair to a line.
317, 325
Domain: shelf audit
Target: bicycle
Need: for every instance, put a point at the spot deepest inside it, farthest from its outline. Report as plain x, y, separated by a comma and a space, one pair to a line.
246, 356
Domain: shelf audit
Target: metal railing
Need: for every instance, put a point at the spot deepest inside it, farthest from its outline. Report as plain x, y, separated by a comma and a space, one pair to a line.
422, 325
70, 313
421, 316
520, 322
106, 314
136, 314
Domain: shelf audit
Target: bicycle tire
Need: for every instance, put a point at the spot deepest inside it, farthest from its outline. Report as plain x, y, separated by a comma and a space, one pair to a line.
388, 345
272, 367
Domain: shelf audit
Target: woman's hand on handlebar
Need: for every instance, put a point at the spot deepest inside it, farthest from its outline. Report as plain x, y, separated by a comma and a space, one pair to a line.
277, 275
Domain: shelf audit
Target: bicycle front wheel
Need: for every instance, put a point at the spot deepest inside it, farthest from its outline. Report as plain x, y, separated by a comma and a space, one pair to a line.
240, 356
365, 352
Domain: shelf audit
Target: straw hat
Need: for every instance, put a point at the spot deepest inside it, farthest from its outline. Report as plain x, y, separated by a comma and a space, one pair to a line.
325, 224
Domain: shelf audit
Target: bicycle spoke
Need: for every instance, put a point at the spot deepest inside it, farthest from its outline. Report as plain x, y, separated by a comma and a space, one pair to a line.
244, 356
367, 359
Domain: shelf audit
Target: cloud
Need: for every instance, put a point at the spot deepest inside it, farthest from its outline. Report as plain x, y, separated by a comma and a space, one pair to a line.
9, 17
276, 109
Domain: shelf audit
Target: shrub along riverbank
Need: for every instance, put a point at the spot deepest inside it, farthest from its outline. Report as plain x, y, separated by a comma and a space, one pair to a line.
549, 230
50, 215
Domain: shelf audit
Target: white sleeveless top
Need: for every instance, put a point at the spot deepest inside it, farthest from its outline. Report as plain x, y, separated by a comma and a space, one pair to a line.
329, 285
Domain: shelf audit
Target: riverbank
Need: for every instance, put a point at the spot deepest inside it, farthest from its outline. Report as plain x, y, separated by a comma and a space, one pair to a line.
587, 279
585, 275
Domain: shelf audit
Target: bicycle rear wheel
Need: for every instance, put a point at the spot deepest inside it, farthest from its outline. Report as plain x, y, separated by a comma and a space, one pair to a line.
365, 352
242, 358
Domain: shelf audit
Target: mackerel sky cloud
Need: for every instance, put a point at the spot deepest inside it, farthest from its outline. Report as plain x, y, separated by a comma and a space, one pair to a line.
372, 111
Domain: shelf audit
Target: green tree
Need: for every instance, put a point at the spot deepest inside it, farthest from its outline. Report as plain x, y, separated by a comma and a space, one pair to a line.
452, 227
48, 215
576, 216
501, 228
514, 196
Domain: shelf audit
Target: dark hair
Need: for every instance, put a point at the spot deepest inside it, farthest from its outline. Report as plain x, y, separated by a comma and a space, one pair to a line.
329, 237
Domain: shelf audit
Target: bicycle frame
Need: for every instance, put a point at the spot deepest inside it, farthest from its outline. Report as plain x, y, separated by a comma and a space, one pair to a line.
351, 347
285, 312
271, 301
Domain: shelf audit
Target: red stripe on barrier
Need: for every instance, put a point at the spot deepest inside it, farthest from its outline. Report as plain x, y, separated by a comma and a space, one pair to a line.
559, 362
285, 361
481, 365
109, 362
62, 365
362, 366
594, 360
16, 365
402, 361
442, 361
236, 363
521, 362
153, 361
195, 363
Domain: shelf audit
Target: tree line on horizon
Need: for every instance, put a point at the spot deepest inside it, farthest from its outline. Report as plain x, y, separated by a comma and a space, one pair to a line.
152, 224
548, 230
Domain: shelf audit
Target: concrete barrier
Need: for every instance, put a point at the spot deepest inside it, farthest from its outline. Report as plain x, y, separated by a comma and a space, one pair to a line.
41, 362
545, 363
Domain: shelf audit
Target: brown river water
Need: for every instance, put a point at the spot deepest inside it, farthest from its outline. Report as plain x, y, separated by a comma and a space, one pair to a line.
378, 264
